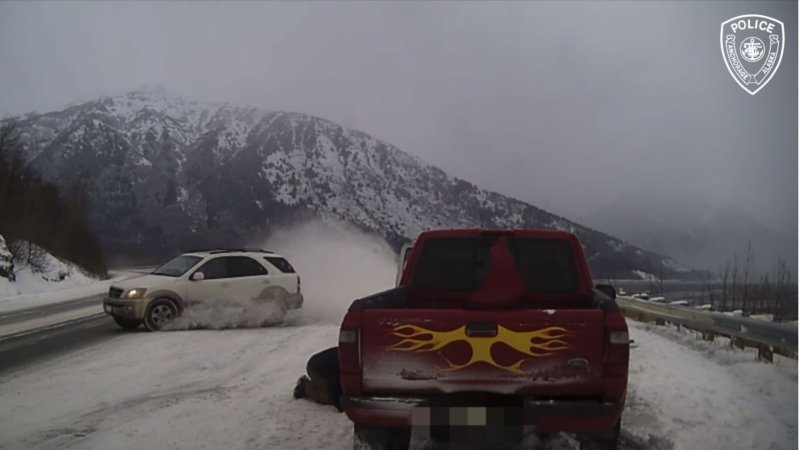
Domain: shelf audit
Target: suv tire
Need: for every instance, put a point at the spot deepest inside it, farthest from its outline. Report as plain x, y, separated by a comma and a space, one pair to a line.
276, 297
127, 324
159, 313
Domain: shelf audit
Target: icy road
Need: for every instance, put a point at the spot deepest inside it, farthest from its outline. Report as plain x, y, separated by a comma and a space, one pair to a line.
232, 389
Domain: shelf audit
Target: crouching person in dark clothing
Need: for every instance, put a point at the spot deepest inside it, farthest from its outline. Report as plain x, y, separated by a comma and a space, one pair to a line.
322, 384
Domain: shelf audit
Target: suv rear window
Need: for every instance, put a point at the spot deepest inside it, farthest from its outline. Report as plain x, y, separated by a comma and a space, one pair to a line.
463, 264
281, 263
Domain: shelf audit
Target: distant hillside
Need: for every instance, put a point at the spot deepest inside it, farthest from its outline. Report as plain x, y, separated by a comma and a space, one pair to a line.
165, 174
700, 234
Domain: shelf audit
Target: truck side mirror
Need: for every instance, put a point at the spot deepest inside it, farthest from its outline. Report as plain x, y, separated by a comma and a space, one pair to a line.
608, 290
197, 276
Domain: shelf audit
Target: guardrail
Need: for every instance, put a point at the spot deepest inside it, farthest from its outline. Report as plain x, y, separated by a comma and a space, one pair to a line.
768, 337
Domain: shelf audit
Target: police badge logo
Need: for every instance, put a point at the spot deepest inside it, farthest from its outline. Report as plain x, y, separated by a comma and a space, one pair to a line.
752, 47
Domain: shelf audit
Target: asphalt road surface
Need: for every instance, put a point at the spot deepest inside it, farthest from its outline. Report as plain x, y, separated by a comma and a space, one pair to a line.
24, 348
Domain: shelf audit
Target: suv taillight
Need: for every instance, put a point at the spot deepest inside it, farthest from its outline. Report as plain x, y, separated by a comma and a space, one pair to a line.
298, 284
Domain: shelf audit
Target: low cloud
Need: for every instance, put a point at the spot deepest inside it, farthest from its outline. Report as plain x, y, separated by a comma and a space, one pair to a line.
337, 263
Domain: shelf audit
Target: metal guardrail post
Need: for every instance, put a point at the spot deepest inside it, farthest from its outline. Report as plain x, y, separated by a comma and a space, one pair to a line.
769, 338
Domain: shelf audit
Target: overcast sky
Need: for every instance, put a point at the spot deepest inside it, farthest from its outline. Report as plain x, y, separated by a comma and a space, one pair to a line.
565, 105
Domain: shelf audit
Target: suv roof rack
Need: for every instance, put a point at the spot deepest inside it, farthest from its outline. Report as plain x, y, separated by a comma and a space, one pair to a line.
260, 250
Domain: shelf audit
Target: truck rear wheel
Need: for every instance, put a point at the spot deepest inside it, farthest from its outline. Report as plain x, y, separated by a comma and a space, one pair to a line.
366, 437
606, 442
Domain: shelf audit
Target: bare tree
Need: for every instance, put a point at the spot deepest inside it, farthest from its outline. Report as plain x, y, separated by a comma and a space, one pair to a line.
724, 275
734, 279
764, 293
709, 289
782, 283
747, 267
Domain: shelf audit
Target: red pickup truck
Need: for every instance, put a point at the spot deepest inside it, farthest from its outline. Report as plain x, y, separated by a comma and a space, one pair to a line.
490, 336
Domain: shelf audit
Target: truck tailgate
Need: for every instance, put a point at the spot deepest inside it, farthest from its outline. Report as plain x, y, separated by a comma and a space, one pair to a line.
502, 352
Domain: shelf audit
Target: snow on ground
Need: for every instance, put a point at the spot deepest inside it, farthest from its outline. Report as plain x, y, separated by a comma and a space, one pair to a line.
53, 281
53, 274
232, 389
183, 389
46, 293
706, 395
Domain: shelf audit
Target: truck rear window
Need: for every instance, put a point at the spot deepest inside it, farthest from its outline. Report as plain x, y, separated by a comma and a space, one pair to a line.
454, 264
546, 265
463, 264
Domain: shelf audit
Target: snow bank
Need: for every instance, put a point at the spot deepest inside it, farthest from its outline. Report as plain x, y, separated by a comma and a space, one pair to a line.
232, 389
6, 261
50, 274
706, 395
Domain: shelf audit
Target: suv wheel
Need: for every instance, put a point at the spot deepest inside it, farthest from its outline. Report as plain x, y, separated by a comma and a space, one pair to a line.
127, 324
159, 313
276, 297
366, 437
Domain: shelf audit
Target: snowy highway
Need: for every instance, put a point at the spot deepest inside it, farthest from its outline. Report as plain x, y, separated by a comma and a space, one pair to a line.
232, 389
89, 385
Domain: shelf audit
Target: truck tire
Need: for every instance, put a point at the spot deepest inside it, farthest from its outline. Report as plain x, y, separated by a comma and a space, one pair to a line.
366, 437
608, 442
127, 324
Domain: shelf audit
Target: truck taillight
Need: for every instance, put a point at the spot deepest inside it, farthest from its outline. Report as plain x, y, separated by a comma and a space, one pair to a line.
619, 338
350, 355
349, 351
348, 336
617, 345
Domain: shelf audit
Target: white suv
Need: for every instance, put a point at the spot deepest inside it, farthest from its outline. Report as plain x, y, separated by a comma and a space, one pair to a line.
203, 277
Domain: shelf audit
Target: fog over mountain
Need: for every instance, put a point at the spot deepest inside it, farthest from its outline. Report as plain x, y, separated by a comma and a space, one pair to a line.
699, 233
163, 174
568, 106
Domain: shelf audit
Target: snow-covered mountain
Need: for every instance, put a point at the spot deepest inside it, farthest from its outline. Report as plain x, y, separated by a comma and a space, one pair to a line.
164, 174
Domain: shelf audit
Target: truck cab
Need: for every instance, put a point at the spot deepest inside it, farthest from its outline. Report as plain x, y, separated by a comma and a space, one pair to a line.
402, 260
489, 334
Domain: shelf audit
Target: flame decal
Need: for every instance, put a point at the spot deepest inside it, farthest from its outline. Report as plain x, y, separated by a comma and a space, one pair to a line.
536, 343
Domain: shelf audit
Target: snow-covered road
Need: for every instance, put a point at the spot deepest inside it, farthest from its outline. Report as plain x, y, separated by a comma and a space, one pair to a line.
232, 389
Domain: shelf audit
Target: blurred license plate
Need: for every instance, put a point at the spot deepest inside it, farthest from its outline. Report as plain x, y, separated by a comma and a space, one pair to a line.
468, 424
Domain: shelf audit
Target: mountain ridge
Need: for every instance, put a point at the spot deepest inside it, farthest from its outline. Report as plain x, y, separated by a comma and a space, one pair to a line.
165, 174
